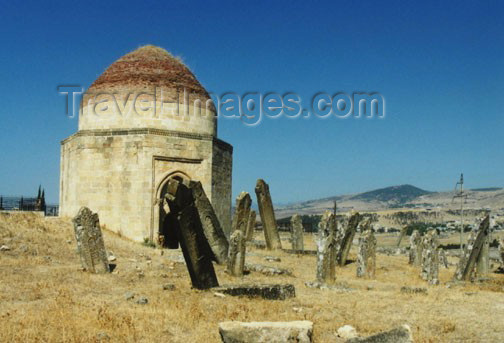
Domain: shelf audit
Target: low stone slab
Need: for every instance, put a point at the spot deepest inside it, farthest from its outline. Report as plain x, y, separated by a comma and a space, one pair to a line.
266, 332
401, 334
413, 290
300, 252
267, 270
268, 291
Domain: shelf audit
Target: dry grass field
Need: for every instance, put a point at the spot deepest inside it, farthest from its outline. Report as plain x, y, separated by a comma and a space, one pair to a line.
45, 297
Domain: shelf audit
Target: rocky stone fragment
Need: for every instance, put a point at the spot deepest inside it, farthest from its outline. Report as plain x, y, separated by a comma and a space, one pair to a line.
347, 332
401, 334
413, 290
297, 232
211, 225
168, 287
90, 245
266, 332
273, 259
267, 215
266, 291
267, 270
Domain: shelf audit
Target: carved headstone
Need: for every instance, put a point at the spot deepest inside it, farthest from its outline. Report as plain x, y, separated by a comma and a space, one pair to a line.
474, 252
326, 249
236, 257
90, 245
415, 252
401, 235
211, 227
242, 213
366, 257
501, 250
430, 258
442, 257
267, 215
251, 226
347, 238
195, 247
297, 232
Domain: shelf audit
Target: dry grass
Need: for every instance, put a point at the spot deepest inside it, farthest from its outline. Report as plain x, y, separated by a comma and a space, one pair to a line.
44, 297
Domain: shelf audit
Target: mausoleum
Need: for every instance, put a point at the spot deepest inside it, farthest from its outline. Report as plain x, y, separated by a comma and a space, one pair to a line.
144, 121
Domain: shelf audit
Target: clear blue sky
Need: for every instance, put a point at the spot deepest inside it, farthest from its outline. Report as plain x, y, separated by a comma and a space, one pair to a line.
439, 65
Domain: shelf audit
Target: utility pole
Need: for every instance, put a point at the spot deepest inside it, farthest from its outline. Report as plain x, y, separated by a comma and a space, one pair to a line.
463, 197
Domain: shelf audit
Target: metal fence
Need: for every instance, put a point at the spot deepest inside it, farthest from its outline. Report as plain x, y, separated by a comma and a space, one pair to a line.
20, 203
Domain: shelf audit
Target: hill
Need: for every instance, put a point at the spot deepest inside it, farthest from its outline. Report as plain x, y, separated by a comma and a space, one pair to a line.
394, 194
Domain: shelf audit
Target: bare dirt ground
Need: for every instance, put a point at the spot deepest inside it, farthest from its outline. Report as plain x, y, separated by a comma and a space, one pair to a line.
45, 297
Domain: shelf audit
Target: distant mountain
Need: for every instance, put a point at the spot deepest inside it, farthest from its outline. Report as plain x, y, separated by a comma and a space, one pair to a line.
395, 194
402, 196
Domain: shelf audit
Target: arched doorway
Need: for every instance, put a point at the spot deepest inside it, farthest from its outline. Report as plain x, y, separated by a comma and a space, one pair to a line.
168, 227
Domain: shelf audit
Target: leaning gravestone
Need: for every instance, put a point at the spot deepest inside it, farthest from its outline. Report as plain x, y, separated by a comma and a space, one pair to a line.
326, 249
195, 247
267, 215
366, 256
430, 258
90, 245
251, 226
474, 252
297, 233
211, 226
242, 213
347, 238
401, 235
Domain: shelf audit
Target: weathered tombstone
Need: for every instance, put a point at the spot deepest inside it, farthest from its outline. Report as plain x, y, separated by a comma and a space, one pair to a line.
242, 213
90, 245
326, 249
401, 235
400, 334
211, 227
251, 226
265, 291
346, 241
267, 215
442, 257
415, 252
473, 252
430, 258
366, 257
236, 257
195, 247
297, 232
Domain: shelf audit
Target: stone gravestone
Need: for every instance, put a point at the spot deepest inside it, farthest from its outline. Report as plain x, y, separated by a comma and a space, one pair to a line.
90, 245
195, 247
251, 226
211, 227
415, 252
366, 257
474, 252
237, 246
442, 257
267, 215
501, 250
430, 258
326, 249
401, 235
236, 256
347, 239
297, 232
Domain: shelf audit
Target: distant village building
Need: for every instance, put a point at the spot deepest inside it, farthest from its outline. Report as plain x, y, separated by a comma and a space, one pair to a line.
144, 121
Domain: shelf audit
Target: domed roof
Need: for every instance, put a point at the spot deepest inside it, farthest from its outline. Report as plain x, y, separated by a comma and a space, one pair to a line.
145, 68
